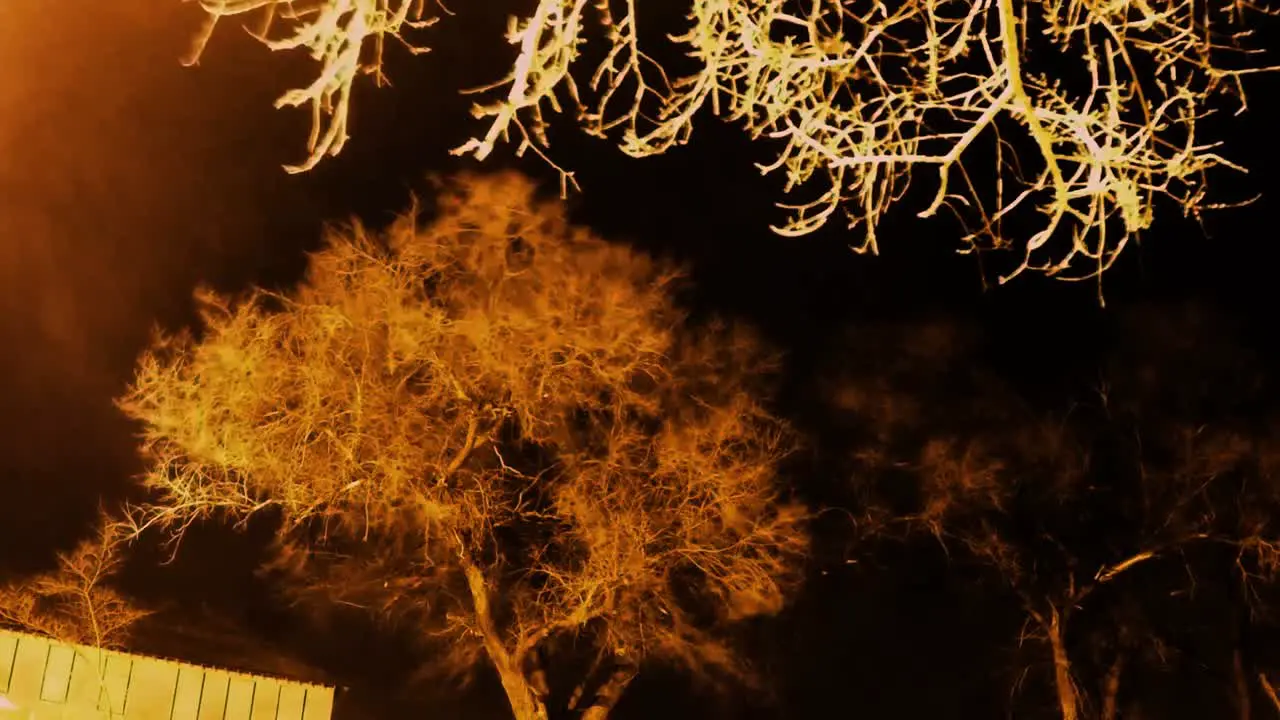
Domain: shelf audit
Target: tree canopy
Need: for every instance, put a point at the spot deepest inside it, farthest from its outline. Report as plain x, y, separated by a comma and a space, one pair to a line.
495, 429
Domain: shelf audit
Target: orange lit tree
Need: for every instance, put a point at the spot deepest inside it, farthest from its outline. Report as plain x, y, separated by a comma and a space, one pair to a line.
493, 430
75, 602
1144, 512
1080, 113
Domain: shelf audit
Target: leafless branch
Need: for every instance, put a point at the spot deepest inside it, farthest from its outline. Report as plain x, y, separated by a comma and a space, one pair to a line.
1089, 129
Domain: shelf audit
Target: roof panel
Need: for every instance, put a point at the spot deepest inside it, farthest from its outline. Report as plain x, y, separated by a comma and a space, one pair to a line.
75, 682
151, 690
213, 700
57, 673
28, 671
8, 648
239, 698
186, 696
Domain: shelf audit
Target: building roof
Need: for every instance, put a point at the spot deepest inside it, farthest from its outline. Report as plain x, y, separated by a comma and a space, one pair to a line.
43, 678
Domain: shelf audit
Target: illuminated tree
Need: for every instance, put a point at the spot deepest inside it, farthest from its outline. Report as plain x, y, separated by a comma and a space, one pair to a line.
1083, 112
74, 603
490, 429
1148, 510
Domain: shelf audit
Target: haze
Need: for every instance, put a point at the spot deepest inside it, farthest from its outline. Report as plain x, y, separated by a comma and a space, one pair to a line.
124, 178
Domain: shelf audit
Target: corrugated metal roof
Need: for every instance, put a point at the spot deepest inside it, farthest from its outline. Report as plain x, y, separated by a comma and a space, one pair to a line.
49, 680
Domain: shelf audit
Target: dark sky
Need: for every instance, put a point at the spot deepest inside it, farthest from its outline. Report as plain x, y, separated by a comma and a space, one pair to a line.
125, 179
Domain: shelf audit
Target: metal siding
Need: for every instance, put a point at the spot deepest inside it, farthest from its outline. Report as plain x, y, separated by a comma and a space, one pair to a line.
115, 683
151, 690
319, 704
60, 681
266, 697
213, 699
8, 649
239, 698
85, 686
291, 700
28, 671
186, 695
48, 711
57, 673
83, 712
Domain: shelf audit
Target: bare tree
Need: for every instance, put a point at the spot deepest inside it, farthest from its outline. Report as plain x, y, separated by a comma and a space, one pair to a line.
1104, 522
491, 428
75, 603
1090, 111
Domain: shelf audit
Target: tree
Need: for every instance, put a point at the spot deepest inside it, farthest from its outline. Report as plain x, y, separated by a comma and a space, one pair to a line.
493, 430
1124, 528
74, 603
1084, 112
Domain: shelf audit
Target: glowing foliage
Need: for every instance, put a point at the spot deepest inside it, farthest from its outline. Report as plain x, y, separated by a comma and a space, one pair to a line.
1089, 108
497, 407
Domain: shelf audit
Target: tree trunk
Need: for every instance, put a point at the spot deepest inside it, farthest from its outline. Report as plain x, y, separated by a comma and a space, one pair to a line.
526, 704
1068, 701
1111, 688
578, 691
609, 693
1270, 690
1244, 709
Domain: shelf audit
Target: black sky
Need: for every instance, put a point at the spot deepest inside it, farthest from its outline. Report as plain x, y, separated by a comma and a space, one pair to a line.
126, 179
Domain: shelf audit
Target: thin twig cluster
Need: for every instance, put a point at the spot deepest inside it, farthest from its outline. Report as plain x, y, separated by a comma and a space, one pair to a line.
1084, 113
492, 427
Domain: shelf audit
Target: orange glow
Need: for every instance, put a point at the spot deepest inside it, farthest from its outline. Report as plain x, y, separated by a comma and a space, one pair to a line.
497, 407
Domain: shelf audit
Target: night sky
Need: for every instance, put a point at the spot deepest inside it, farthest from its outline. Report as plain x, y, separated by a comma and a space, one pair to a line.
127, 179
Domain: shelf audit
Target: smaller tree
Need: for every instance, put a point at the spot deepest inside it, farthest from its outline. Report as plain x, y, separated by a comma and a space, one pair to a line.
75, 603
492, 430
